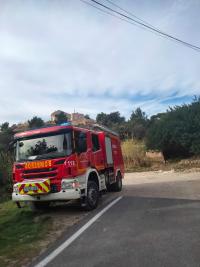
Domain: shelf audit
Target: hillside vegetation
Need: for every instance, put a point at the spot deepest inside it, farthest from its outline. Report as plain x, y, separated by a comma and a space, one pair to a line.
175, 133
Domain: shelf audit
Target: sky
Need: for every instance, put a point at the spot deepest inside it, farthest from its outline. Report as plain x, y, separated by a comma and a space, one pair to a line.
64, 54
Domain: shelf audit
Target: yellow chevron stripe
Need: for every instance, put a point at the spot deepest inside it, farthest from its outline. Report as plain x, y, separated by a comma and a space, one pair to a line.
45, 187
39, 191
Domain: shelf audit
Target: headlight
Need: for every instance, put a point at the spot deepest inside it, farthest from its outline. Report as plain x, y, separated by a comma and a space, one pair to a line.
69, 184
66, 185
15, 189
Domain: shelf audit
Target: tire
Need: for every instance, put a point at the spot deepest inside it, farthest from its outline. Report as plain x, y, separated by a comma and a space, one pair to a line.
109, 187
117, 186
39, 206
92, 199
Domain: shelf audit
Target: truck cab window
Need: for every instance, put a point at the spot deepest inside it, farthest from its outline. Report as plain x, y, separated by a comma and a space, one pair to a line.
95, 142
44, 147
80, 141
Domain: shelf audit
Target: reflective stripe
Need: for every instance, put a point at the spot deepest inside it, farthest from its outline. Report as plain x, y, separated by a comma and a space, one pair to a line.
34, 187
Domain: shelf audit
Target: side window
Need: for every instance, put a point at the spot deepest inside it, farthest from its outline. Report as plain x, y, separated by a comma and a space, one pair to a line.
80, 141
95, 142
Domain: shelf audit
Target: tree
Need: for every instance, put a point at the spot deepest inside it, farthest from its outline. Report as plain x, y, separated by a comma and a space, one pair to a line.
177, 132
87, 116
35, 122
110, 119
121, 129
6, 157
138, 124
115, 118
102, 118
138, 116
114, 121
138, 131
61, 118
4, 126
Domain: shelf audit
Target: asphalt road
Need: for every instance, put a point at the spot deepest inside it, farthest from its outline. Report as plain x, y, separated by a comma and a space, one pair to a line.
154, 224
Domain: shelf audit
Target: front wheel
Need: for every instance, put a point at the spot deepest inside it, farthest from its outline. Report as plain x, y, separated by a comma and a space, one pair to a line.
39, 206
92, 199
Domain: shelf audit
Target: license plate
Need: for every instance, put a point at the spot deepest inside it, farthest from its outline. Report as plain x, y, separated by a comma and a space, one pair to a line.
30, 188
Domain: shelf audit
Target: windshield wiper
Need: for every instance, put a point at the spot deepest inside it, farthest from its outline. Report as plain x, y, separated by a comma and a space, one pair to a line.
23, 160
45, 156
49, 156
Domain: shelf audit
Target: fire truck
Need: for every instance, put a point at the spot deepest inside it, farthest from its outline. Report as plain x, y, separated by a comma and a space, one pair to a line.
61, 163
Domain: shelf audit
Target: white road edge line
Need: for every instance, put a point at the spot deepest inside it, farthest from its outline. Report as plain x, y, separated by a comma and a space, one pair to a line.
64, 245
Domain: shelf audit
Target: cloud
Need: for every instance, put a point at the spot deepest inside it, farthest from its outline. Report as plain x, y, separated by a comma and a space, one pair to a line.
66, 55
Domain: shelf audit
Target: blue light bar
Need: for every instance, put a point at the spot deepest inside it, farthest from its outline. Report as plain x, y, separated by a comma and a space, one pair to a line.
66, 124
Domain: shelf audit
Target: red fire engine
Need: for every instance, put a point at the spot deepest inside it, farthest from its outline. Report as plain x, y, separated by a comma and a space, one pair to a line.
65, 162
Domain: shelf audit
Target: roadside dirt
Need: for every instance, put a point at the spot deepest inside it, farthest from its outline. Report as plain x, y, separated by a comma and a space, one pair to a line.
62, 216
163, 184
160, 176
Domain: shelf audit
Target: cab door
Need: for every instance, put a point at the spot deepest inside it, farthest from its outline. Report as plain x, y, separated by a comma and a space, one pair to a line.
97, 153
81, 148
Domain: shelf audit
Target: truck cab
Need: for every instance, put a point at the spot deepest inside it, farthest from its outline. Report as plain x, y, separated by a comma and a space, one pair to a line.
64, 163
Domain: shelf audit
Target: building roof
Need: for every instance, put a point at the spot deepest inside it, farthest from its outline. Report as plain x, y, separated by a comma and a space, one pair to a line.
58, 112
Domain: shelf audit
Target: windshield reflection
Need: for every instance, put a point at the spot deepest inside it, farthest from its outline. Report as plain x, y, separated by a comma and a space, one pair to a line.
54, 146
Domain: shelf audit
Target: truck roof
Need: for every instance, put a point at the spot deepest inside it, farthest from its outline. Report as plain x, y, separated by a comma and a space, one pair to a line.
43, 130
57, 128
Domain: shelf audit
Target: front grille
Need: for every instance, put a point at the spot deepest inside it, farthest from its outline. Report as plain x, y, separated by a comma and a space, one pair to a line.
39, 173
40, 170
42, 175
54, 188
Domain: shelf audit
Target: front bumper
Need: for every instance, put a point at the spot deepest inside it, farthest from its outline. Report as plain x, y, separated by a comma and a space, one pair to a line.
68, 194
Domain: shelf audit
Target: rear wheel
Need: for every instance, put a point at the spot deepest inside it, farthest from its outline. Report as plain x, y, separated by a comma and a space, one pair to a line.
117, 186
91, 200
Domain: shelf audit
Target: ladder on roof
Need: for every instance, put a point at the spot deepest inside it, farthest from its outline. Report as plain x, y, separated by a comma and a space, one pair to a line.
104, 129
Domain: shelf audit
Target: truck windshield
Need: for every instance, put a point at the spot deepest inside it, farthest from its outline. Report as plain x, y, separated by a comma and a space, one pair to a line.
45, 147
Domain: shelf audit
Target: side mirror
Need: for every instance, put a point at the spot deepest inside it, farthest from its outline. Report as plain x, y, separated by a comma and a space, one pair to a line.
11, 146
21, 144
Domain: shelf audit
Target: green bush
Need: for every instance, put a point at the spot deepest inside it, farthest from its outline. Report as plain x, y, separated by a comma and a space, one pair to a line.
6, 161
177, 132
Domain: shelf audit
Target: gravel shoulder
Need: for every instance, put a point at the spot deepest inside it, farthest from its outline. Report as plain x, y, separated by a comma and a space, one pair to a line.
160, 177
163, 184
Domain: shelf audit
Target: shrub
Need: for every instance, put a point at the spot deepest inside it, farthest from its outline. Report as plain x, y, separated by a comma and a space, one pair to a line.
134, 154
6, 161
177, 132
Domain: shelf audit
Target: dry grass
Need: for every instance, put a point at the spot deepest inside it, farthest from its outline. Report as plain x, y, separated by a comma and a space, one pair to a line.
134, 154
136, 159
